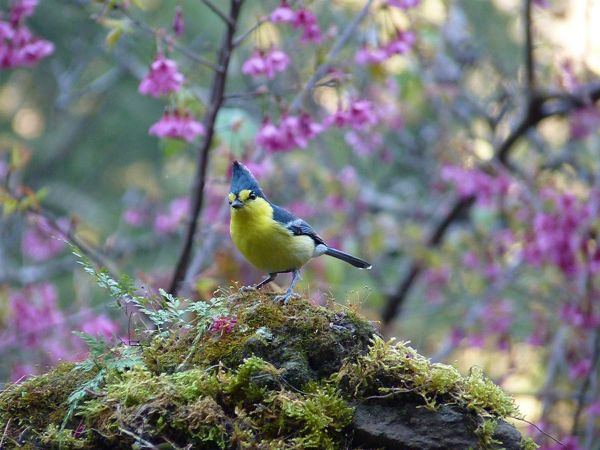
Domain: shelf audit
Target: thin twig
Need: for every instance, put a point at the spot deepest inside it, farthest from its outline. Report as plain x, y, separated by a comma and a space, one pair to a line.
228, 20
586, 382
216, 100
529, 56
242, 37
5, 431
164, 38
329, 58
538, 428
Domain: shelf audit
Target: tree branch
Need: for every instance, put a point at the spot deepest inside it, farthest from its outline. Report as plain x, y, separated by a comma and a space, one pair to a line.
216, 100
538, 108
218, 12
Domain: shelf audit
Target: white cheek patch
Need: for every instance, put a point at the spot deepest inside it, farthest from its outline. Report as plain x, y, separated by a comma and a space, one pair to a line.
319, 250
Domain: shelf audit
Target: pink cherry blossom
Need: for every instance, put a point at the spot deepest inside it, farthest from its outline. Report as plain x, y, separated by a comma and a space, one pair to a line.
21, 9
475, 183
41, 241
177, 125
370, 55
359, 114
178, 24
403, 4
580, 369
33, 309
283, 14
306, 20
401, 44
100, 325
292, 132
163, 78
266, 63
18, 46
170, 221
135, 217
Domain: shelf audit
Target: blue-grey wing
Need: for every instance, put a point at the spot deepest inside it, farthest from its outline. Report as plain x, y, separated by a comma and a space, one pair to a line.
295, 224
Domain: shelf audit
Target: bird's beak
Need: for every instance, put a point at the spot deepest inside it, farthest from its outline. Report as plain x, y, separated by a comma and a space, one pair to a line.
237, 204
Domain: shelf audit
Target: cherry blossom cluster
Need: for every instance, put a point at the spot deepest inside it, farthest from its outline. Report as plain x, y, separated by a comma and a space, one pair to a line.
166, 220
37, 324
266, 63
558, 235
399, 45
41, 241
291, 132
358, 114
177, 124
476, 183
163, 78
302, 19
18, 46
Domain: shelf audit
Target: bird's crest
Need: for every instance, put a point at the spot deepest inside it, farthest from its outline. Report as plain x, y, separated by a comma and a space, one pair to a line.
242, 178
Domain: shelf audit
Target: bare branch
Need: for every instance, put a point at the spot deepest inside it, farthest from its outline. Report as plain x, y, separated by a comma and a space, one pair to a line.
216, 100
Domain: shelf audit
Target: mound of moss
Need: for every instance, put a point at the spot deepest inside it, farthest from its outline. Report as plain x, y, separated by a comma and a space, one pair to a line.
244, 372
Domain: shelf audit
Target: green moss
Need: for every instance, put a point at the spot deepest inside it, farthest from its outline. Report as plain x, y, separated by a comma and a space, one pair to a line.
528, 444
285, 377
485, 431
395, 369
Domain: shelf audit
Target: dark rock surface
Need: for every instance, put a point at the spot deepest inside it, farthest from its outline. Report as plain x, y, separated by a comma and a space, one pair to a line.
409, 426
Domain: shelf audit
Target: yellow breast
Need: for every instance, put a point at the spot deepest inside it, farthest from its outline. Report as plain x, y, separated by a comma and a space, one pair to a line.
264, 242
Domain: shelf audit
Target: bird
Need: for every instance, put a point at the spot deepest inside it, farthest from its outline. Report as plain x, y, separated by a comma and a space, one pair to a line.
271, 238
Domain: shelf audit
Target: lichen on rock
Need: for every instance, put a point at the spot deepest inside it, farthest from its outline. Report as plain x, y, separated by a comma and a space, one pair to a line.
268, 376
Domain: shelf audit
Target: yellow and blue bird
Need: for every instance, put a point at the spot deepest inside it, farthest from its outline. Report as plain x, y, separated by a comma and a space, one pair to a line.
270, 237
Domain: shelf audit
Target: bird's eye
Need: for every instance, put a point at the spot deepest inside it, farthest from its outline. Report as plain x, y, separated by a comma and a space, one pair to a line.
252, 196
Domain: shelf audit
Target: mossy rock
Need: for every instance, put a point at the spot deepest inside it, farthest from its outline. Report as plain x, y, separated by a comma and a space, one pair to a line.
297, 376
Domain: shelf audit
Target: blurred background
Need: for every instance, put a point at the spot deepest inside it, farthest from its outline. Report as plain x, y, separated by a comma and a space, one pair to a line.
460, 160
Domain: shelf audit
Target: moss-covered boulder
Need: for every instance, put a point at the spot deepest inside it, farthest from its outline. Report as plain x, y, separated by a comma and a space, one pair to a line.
245, 372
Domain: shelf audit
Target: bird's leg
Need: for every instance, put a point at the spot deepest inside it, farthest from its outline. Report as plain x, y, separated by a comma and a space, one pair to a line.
288, 294
267, 280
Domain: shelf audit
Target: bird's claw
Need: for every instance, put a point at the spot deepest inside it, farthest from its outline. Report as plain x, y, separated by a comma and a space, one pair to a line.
285, 298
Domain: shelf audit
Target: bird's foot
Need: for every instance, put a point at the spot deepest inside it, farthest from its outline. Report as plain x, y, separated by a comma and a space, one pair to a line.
250, 288
285, 298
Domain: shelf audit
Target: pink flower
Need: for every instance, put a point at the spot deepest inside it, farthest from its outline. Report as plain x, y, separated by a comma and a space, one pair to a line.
292, 132
21, 9
135, 217
474, 182
18, 46
311, 33
41, 241
178, 24
100, 325
163, 78
370, 55
266, 64
580, 369
306, 20
177, 125
404, 4
401, 44
359, 114
541, 3
33, 310
169, 222
283, 14
223, 325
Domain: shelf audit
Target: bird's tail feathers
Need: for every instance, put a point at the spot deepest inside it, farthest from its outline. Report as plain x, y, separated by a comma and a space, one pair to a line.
353, 260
